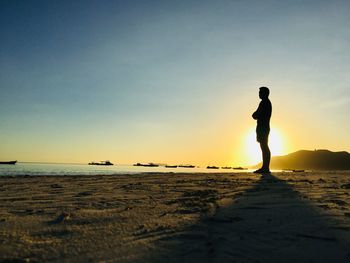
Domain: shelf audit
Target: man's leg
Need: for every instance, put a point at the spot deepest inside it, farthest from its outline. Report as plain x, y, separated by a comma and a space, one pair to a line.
266, 155
262, 138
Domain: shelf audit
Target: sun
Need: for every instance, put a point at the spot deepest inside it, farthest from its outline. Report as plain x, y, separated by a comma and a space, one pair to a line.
253, 152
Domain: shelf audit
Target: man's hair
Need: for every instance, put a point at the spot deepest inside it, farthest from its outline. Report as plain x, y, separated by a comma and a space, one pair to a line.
265, 91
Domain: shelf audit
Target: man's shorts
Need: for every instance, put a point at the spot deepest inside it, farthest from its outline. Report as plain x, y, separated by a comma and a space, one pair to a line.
262, 135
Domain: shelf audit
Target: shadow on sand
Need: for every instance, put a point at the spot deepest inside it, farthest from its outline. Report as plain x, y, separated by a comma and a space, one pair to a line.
270, 222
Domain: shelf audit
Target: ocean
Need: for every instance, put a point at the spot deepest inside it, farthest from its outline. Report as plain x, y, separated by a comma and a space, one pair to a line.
34, 169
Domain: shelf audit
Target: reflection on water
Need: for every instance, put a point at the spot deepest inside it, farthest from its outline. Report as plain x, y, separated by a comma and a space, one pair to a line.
84, 169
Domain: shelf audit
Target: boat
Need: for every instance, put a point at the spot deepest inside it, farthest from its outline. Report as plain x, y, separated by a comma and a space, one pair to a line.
298, 171
9, 162
226, 167
240, 168
151, 165
212, 167
171, 166
187, 166
147, 165
101, 163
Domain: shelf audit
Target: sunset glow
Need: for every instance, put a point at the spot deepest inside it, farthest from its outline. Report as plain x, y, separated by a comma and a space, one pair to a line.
276, 143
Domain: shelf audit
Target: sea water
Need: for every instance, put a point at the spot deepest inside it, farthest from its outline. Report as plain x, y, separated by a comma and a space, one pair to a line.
31, 169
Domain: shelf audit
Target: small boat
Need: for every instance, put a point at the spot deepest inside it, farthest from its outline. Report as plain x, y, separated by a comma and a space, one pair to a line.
147, 165
226, 167
101, 163
240, 168
9, 162
171, 166
151, 165
212, 167
187, 166
298, 171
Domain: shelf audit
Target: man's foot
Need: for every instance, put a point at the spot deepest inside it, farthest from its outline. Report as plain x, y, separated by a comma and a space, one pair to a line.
262, 171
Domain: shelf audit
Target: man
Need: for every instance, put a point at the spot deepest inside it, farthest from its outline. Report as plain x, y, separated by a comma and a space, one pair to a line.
263, 115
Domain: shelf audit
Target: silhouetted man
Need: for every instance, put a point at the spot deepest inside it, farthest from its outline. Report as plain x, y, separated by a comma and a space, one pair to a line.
263, 115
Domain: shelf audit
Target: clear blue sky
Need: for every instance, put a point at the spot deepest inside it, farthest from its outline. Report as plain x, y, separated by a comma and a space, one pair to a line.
169, 80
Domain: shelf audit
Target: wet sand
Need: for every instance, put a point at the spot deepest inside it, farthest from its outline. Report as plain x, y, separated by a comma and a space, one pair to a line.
238, 217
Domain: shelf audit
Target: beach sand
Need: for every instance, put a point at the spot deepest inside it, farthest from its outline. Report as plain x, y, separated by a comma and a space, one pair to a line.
170, 217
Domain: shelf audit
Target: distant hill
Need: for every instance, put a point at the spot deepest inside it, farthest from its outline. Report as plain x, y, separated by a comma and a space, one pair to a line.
316, 160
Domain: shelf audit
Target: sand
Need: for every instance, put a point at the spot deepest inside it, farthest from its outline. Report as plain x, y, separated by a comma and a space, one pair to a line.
238, 217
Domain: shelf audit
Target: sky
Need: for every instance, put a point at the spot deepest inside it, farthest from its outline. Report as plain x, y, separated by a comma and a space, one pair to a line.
170, 81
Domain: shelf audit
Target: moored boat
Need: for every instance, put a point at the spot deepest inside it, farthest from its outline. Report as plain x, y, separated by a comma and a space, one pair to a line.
240, 168
9, 162
212, 167
187, 166
147, 164
101, 163
171, 166
151, 165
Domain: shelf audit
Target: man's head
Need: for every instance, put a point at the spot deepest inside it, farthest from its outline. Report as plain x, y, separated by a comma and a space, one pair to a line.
264, 93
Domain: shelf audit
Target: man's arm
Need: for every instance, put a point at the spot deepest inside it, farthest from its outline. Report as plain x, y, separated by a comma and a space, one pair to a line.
257, 113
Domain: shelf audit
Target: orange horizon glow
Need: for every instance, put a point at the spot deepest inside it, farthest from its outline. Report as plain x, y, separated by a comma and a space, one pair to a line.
277, 143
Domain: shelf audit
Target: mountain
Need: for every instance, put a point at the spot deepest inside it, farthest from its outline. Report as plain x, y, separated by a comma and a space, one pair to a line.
316, 160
